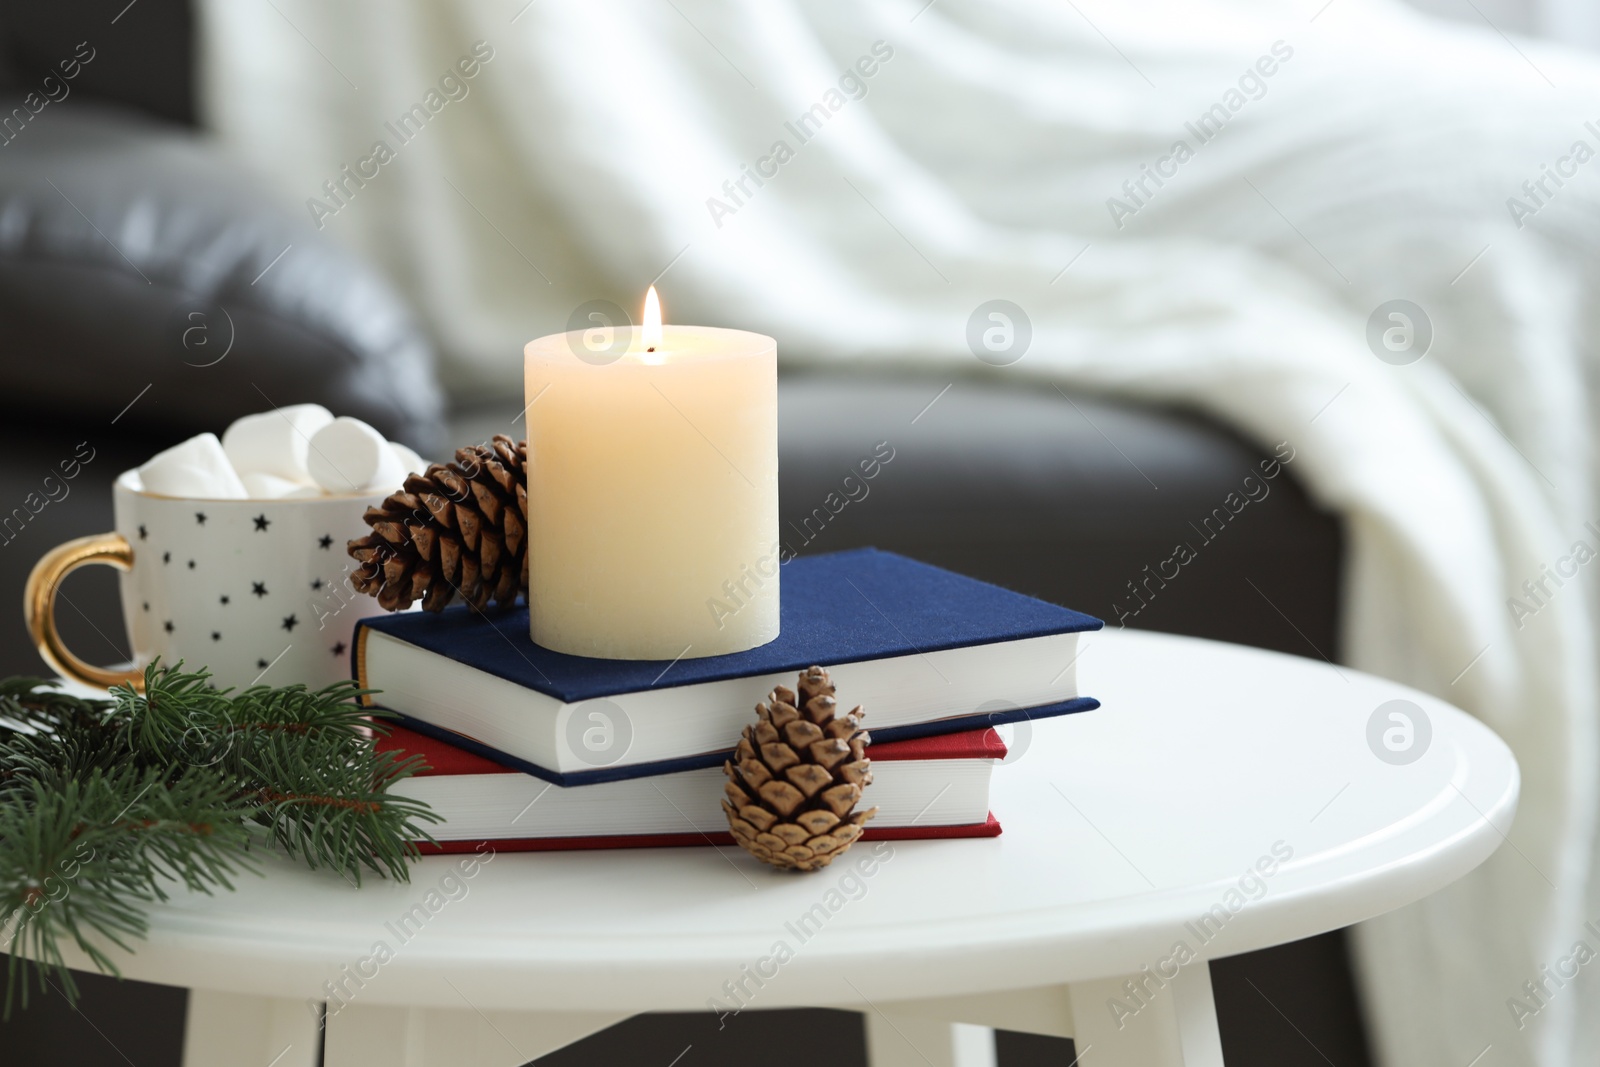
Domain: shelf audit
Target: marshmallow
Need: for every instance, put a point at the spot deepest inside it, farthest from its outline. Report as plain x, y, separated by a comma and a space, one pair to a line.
271, 487
413, 463
348, 456
197, 469
275, 442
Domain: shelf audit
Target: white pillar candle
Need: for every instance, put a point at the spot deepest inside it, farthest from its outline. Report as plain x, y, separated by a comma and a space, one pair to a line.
652, 491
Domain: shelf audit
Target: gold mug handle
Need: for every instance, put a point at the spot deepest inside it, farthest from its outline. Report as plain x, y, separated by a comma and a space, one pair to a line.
39, 605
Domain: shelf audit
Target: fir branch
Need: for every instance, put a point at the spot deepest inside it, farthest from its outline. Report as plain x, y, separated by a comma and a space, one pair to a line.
35, 703
80, 858
105, 804
332, 806
174, 705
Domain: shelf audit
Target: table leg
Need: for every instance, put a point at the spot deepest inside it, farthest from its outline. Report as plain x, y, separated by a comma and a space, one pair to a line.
363, 1035
1145, 1021
912, 1041
228, 1029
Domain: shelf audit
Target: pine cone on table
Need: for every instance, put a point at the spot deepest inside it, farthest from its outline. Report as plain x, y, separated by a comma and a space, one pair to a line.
796, 777
455, 528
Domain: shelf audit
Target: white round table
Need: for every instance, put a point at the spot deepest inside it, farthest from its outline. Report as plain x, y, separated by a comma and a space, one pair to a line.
1223, 798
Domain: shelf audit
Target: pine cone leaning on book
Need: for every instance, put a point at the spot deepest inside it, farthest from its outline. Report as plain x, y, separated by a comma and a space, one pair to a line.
455, 528
796, 777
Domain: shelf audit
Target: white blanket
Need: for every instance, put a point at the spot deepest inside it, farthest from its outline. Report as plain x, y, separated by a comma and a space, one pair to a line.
586, 156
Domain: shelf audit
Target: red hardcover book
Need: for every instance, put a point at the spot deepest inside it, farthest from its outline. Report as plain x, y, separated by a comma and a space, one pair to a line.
926, 787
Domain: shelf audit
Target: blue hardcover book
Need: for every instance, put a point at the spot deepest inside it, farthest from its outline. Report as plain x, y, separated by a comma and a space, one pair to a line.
924, 651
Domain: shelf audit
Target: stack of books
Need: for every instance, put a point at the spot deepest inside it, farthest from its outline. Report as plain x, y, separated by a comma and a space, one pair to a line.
529, 749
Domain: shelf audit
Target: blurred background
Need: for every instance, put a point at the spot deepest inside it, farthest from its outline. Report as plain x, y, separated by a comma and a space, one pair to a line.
980, 241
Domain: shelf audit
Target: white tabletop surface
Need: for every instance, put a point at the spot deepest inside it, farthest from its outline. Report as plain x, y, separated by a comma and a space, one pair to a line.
1122, 825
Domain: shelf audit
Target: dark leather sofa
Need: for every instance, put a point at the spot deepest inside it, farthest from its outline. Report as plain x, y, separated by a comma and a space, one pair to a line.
1066, 497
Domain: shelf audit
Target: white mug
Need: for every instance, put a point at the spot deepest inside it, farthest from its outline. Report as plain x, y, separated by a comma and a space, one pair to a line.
252, 590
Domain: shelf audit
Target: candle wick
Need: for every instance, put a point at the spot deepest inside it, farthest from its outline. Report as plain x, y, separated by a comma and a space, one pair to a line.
652, 348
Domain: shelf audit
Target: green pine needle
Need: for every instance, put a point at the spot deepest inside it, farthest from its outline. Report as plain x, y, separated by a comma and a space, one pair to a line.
107, 804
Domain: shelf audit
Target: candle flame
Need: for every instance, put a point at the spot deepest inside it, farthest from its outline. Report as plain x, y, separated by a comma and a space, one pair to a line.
651, 331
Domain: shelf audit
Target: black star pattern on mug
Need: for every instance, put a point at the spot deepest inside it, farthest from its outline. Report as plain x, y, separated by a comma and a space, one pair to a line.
262, 522
167, 626
143, 533
338, 649
325, 542
258, 588
224, 600
215, 636
191, 564
290, 623
316, 583
200, 517
166, 557
262, 664
147, 605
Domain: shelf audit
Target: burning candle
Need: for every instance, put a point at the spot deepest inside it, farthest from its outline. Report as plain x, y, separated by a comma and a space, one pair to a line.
652, 489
